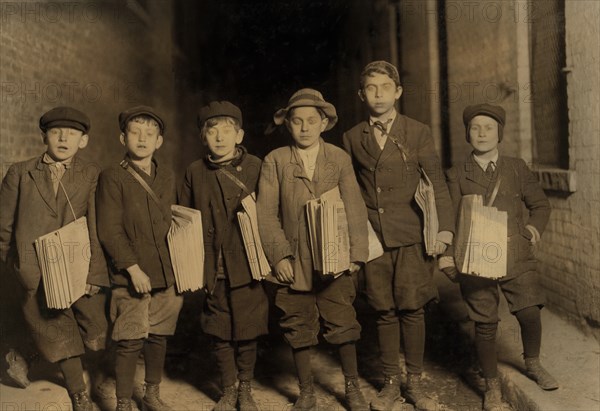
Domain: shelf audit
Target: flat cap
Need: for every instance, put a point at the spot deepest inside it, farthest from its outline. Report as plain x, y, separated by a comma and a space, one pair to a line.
65, 117
137, 111
217, 109
495, 112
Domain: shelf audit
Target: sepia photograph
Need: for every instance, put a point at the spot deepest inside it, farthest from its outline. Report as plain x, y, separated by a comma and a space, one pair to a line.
300, 205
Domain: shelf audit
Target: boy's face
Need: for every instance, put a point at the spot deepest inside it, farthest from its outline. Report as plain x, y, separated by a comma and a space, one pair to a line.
483, 134
222, 139
306, 125
141, 139
380, 93
64, 142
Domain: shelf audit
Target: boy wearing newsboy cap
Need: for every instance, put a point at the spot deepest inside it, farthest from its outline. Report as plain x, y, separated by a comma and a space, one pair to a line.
236, 308
517, 188
134, 215
37, 196
290, 177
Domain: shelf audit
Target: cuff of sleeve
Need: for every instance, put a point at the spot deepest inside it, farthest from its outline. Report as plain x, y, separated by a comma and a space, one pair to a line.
445, 237
445, 262
535, 234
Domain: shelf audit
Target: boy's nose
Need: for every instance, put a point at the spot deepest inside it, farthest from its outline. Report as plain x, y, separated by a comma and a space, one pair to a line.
304, 126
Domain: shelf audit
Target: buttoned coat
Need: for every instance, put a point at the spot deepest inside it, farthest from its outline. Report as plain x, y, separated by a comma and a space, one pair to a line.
518, 190
284, 190
219, 199
388, 179
132, 227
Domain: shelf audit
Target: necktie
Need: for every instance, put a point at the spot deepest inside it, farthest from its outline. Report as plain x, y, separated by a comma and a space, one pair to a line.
489, 171
57, 170
382, 127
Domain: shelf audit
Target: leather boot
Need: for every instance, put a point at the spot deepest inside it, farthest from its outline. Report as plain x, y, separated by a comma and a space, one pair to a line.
307, 401
355, 399
228, 401
82, 402
416, 395
245, 399
152, 400
389, 394
492, 399
537, 373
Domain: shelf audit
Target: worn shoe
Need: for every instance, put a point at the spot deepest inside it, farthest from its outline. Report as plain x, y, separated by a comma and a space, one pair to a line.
416, 395
389, 394
82, 402
245, 399
126, 404
17, 368
537, 373
228, 401
354, 396
492, 399
307, 401
152, 400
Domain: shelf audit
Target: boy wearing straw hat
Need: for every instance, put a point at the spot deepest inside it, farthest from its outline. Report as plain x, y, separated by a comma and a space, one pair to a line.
39, 196
290, 177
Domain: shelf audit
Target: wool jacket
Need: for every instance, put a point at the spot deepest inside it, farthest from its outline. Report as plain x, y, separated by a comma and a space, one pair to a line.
284, 190
388, 179
132, 227
219, 199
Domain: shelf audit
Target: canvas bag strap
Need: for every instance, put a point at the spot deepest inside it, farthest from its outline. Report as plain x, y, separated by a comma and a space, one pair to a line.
68, 201
494, 192
236, 180
140, 180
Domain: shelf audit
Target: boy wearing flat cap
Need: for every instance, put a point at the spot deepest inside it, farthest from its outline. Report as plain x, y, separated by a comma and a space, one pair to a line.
484, 172
387, 151
39, 196
134, 215
235, 312
290, 177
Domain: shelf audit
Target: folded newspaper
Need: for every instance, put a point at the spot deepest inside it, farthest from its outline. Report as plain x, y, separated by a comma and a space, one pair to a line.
425, 198
259, 265
481, 242
64, 259
186, 246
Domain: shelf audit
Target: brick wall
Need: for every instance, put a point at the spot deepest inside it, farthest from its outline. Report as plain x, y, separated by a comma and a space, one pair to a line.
570, 252
100, 57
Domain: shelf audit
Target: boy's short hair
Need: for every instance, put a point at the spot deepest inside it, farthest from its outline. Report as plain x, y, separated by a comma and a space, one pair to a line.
143, 119
143, 112
213, 121
381, 67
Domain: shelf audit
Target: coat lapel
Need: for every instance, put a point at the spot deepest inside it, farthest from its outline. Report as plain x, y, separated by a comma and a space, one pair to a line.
397, 132
474, 173
43, 182
369, 144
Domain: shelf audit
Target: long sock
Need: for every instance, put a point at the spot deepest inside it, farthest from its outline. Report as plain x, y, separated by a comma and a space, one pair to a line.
225, 354
485, 343
388, 330
348, 359
155, 351
531, 330
413, 335
128, 352
246, 359
303, 364
72, 371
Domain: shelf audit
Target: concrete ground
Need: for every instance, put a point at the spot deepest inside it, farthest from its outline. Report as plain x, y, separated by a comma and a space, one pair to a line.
191, 380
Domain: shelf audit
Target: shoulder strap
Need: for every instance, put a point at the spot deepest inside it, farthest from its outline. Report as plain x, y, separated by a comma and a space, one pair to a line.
236, 180
140, 180
68, 201
494, 192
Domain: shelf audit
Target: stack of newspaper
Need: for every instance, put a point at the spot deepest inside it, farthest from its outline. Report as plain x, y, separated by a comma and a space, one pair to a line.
425, 198
64, 261
186, 246
328, 232
481, 239
259, 265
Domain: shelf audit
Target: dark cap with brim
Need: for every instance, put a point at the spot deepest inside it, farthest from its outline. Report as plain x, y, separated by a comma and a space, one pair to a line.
495, 112
219, 109
137, 111
65, 117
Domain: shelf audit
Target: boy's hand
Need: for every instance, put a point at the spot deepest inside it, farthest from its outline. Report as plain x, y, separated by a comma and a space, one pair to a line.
354, 267
439, 247
139, 279
91, 289
284, 272
451, 273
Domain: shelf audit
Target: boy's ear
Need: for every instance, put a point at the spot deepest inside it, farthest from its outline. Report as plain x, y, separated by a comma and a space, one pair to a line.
240, 136
159, 141
44, 138
399, 91
122, 138
83, 142
361, 95
324, 123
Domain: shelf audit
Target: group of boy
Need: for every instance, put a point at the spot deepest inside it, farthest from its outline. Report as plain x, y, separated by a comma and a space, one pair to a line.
128, 210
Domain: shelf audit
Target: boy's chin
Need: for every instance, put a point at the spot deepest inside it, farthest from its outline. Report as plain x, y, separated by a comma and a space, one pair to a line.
61, 156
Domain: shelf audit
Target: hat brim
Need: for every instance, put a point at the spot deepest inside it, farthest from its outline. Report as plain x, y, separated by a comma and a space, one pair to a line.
147, 113
66, 123
327, 108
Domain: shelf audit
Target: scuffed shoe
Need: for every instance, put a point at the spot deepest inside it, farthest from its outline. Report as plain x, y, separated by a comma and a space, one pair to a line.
537, 373
245, 399
17, 368
82, 402
416, 395
354, 396
492, 399
228, 400
126, 404
389, 394
105, 390
307, 401
152, 400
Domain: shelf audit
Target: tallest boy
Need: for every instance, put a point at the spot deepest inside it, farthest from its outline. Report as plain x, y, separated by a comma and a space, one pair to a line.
387, 151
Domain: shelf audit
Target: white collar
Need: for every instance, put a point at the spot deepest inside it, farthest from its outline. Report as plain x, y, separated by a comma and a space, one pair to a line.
483, 163
389, 121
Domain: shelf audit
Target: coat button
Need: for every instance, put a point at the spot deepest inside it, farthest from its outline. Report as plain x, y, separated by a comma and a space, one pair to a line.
381, 211
379, 189
371, 168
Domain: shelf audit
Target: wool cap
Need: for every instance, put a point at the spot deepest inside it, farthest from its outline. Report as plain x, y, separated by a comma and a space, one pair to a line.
495, 112
65, 117
307, 97
218, 109
382, 67
136, 111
